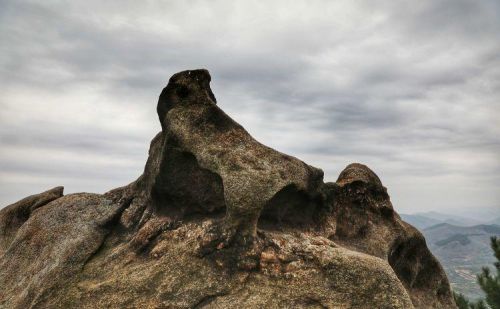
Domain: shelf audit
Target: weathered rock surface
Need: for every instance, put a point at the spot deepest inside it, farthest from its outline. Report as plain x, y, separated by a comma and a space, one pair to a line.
217, 220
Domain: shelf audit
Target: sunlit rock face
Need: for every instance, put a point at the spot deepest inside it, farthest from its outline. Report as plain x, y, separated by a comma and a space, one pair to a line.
217, 220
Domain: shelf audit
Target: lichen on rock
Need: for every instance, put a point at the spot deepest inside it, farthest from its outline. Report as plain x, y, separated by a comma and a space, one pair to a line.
217, 220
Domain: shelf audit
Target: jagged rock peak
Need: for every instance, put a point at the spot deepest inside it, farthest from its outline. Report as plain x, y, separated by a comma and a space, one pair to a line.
217, 220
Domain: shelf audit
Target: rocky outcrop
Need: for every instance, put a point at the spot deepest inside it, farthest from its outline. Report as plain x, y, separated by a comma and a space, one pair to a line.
217, 220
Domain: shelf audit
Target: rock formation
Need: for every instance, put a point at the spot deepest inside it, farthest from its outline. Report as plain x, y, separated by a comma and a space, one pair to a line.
217, 220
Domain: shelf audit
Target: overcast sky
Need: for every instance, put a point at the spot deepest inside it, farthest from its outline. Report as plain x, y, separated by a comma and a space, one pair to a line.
410, 88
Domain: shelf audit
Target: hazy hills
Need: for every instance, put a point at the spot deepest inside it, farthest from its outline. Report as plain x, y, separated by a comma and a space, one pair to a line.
463, 251
495, 221
424, 220
460, 242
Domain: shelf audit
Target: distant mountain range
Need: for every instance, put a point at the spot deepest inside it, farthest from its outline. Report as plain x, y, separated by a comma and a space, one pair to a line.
495, 221
461, 243
424, 220
463, 251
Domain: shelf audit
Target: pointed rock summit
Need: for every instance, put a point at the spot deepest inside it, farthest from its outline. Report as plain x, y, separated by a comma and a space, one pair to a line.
217, 220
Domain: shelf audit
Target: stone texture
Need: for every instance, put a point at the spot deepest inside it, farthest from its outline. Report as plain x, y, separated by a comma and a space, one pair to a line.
217, 220
14, 216
365, 221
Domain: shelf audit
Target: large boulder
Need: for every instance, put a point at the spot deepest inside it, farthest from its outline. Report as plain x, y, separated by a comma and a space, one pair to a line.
217, 220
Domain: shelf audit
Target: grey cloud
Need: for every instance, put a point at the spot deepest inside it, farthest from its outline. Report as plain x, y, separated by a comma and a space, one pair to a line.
409, 88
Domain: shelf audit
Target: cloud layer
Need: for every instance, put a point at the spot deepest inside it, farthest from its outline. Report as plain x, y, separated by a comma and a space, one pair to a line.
411, 89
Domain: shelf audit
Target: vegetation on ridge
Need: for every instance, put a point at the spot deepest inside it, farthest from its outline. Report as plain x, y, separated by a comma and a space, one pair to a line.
489, 283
